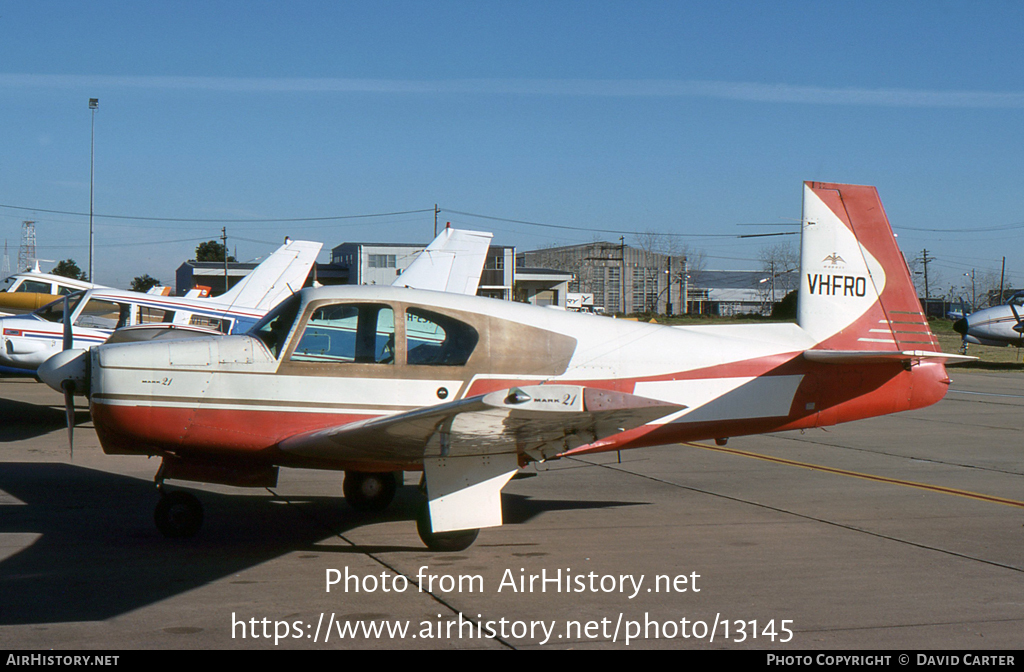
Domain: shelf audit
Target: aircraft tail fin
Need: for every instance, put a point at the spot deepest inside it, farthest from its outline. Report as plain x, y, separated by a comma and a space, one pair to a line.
277, 277
856, 292
452, 263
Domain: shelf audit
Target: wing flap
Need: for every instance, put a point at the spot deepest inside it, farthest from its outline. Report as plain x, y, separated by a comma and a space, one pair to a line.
542, 420
883, 356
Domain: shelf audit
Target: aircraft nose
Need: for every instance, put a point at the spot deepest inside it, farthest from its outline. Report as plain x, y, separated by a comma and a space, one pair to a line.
69, 365
960, 326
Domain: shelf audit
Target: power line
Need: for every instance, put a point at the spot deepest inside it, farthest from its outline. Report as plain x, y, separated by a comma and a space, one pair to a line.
216, 221
583, 228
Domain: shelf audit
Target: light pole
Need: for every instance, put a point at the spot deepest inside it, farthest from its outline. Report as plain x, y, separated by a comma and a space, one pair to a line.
93, 104
974, 294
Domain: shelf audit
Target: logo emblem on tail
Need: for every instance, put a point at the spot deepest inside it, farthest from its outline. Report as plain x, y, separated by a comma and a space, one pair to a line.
834, 260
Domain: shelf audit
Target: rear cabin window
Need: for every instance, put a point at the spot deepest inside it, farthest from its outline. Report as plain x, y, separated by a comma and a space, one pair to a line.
348, 333
151, 315
437, 340
221, 324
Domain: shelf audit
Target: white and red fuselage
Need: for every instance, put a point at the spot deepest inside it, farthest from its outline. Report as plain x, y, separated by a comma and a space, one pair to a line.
861, 347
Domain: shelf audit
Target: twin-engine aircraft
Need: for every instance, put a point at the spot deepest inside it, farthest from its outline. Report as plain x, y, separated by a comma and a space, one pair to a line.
375, 380
998, 325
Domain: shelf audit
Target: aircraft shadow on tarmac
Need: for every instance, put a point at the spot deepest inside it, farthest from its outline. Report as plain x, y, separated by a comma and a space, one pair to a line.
99, 554
27, 421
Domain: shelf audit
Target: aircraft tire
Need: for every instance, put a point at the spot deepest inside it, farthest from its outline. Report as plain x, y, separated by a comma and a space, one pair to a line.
369, 492
178, 515
444, 542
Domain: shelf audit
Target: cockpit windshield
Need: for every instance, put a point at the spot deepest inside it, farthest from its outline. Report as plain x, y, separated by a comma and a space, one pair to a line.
274, 327
1017, 299
54, 312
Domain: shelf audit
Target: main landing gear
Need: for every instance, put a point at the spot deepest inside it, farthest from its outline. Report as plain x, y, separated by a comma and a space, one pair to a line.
445, 542
179, 514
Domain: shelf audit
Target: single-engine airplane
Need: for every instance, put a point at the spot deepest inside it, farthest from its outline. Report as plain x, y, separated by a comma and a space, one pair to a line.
998, 325
34, 289
372, 380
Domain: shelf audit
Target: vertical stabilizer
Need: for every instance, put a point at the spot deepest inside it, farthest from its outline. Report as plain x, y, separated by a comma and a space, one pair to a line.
277, 277
856, 292
452, 263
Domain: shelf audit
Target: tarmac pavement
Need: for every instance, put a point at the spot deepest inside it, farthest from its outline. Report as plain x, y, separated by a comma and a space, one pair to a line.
902, 532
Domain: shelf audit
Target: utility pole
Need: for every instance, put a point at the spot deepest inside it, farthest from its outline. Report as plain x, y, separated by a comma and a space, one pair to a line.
93, 104
1002, 274
686, 286
224, 238
622, 273
925, 259
436, 211
668, 288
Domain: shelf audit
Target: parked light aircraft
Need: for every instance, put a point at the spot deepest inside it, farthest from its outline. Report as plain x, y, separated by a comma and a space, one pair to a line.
998, 325
34, 289
26, 341
452, 262
372, 380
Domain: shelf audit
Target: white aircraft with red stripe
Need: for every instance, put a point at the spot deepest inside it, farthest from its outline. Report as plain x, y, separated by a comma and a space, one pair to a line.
26, 341
376, 380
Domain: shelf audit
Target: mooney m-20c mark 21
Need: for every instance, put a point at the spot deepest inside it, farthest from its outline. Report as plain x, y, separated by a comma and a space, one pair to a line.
374, 380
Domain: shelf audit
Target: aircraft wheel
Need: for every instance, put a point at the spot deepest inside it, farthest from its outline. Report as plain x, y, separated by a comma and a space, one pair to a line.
445, 542
178, 515
369, 492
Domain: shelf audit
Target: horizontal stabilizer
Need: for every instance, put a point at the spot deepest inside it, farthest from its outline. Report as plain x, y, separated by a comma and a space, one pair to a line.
883, 356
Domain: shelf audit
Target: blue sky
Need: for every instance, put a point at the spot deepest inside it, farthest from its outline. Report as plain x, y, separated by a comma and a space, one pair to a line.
669, 117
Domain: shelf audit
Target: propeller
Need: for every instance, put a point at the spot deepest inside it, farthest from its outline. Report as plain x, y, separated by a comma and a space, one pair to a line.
68, 333
1019, 327
66, 372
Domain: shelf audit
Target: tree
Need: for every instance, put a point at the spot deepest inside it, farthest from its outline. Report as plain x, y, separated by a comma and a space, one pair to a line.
143, 283
780, 264
211, 251
68, 269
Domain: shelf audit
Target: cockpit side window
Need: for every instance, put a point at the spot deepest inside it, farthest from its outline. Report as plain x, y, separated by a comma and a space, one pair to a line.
34, 286
437, 340
274, 327
361, 333
54, 312
102, 314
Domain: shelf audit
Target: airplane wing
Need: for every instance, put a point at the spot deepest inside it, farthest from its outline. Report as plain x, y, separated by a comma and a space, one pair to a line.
880, 356
451, 263
543, 420
278, 276
470, 447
